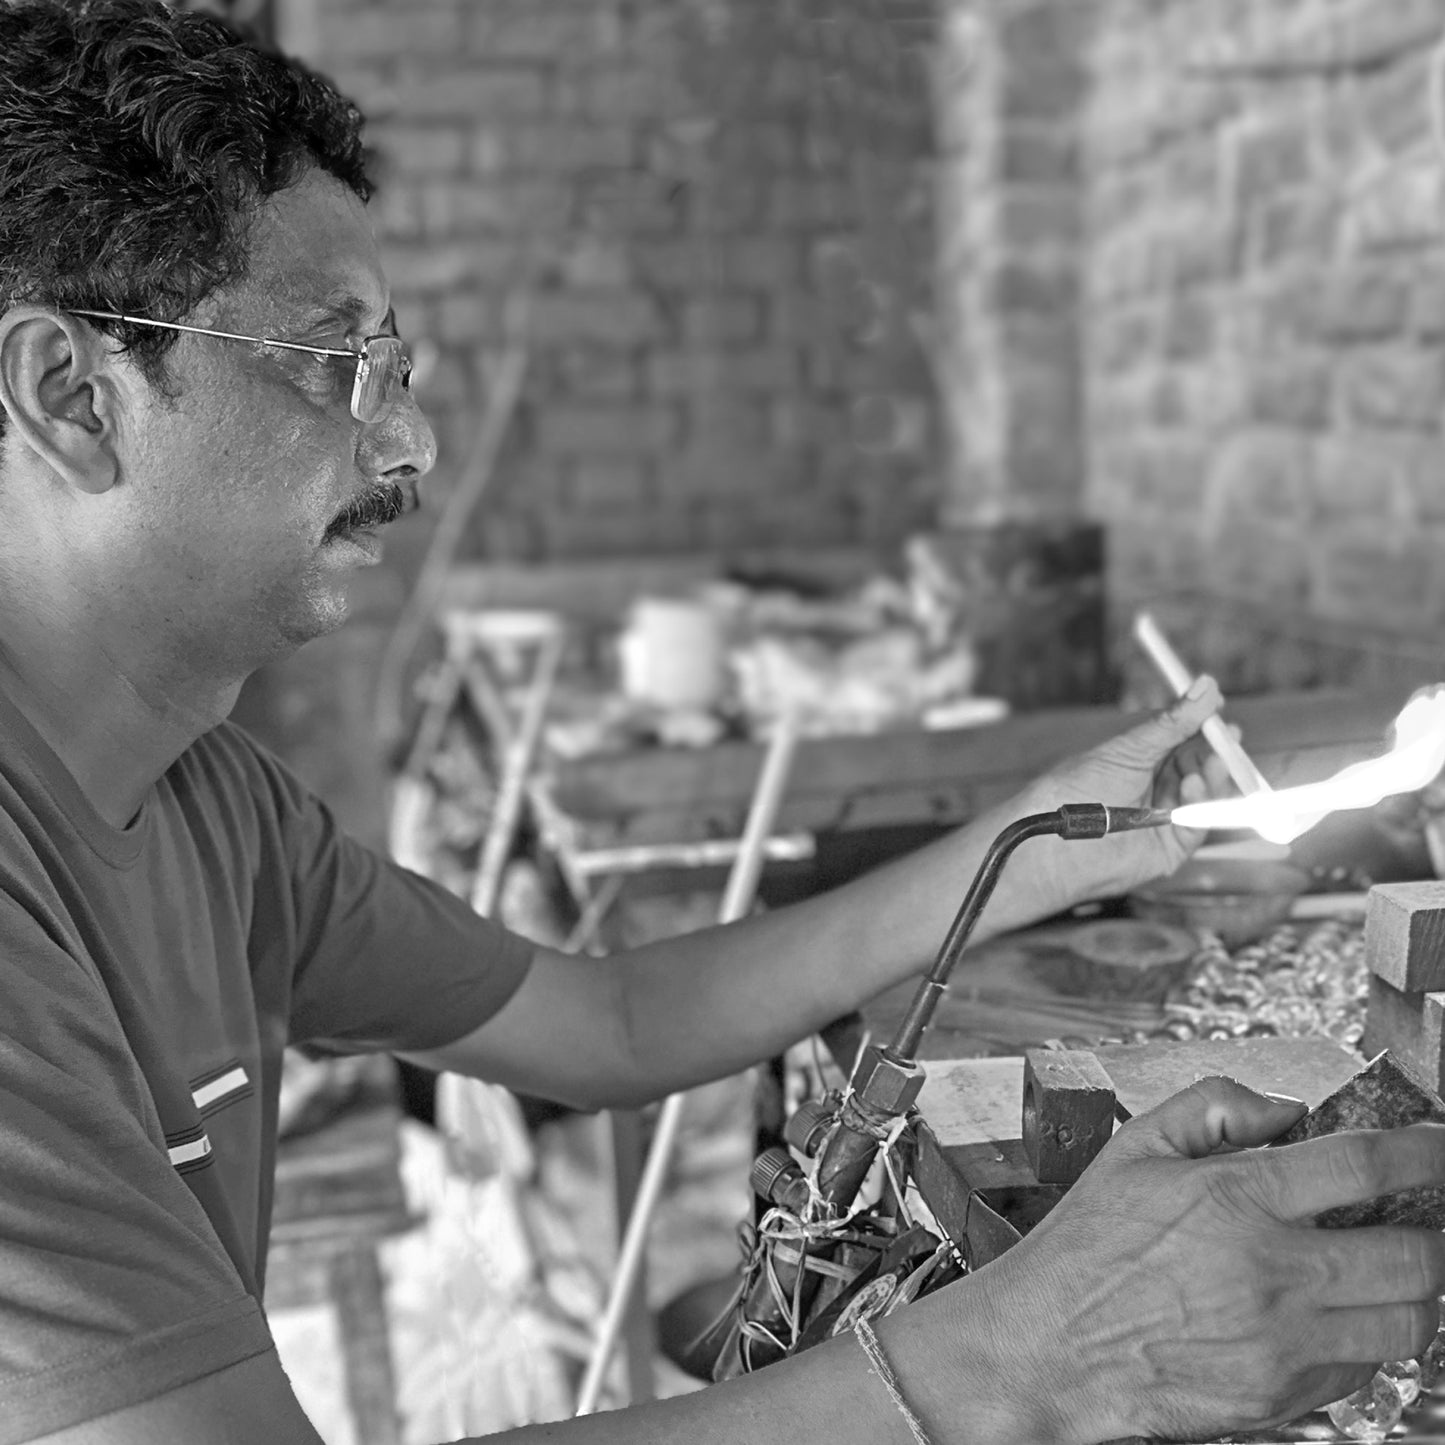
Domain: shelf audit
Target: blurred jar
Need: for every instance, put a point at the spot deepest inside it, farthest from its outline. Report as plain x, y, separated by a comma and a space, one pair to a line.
673, 654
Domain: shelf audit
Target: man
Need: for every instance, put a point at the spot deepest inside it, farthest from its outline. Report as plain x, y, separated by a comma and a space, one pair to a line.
182, 505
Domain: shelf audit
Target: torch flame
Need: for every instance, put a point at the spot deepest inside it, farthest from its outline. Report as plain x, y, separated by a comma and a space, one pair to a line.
1414, 759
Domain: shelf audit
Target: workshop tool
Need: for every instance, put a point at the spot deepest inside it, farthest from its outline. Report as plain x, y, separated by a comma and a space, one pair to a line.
886, 1080
817, 1253
1247, 777
736, 903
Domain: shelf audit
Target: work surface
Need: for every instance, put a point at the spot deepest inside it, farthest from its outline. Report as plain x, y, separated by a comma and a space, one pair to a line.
918, 778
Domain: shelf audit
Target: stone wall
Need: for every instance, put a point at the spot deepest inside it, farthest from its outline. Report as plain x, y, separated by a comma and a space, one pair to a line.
1265, 300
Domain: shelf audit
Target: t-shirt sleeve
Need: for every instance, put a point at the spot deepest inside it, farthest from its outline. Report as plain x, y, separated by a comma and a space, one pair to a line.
384, 958
114, 1288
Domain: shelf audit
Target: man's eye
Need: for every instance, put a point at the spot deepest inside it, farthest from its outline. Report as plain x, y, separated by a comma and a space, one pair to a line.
328, 369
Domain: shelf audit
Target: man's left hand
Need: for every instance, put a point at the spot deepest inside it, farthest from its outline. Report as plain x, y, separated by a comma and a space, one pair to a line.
1160, 763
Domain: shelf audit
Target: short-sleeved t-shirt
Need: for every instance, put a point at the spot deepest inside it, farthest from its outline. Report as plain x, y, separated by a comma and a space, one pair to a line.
150, 979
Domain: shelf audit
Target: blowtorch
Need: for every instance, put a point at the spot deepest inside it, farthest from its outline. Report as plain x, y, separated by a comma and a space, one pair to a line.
886, 1081
820, 1266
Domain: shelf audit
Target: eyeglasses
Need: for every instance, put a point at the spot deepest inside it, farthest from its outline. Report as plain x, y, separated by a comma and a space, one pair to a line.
383, 365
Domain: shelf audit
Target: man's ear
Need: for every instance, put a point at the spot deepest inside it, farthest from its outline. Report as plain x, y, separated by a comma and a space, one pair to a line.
57, 387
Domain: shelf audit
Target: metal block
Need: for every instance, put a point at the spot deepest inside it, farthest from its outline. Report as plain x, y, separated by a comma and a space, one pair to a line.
1068, 1112
1405, 935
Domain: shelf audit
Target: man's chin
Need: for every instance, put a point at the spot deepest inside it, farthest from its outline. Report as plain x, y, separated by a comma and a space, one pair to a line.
327, 609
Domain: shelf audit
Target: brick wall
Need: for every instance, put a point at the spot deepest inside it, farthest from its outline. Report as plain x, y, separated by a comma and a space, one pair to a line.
721, 210
1011, 95
1265, 300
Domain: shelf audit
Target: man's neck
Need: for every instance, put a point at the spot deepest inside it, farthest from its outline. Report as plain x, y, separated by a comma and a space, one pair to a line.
116, 731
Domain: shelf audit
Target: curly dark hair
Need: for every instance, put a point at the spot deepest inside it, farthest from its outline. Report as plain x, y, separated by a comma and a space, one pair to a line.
136, 142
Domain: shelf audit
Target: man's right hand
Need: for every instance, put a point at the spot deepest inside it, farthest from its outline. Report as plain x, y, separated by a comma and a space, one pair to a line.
1180, 1290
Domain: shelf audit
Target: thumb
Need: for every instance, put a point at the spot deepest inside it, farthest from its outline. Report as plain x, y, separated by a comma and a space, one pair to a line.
1184, 717
1153, 739
1211, 1114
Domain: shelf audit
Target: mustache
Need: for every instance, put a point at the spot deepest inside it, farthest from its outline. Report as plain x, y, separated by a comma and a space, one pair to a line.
374, 507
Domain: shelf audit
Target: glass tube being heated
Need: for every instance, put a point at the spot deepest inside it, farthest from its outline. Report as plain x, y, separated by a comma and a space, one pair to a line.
1415, 758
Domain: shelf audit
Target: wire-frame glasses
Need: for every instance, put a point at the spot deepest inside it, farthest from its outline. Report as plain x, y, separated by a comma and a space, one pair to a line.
383, 365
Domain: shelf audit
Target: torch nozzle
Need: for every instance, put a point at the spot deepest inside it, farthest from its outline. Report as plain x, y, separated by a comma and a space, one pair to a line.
1127, 820
1094, 820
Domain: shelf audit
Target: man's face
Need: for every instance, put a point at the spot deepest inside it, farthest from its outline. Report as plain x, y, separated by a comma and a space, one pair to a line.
246, 502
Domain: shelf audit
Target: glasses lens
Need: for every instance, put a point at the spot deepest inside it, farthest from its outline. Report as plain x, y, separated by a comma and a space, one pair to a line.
380, 375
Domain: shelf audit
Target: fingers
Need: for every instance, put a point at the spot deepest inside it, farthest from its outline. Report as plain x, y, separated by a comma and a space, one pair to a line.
1193, 773
1182, 719
1193, 788
1300, 1180
1367, 1334
1149, 743
1207, 1115
1376, 1265
1190, 774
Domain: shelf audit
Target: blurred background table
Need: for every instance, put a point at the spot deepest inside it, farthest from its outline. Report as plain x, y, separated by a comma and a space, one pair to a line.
865, 798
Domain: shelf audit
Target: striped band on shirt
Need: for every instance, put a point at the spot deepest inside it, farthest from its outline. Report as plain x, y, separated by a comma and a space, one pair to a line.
189, 1150
219, 1087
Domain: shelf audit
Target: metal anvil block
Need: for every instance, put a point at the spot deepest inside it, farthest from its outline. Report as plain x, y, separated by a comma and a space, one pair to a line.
1068, 1113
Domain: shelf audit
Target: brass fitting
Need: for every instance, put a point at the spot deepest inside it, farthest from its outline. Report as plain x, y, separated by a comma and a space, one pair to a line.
885, 1084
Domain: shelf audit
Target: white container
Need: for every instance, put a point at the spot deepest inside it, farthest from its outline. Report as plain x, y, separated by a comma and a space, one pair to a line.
673, 654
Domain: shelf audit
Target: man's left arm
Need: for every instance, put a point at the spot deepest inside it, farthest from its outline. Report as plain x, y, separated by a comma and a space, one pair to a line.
624, 1030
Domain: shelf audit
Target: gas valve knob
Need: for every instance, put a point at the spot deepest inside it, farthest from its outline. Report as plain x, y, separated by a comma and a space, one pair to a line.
809, 1122
776, 1178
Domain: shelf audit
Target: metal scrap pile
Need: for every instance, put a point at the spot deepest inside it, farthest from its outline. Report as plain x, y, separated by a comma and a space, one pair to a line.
1305, 979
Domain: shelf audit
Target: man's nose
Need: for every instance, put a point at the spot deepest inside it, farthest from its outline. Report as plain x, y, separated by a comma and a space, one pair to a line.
402, 441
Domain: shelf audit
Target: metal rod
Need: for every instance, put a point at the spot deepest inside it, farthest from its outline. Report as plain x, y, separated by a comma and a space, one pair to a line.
1071, 821
1247, 777
585, 930
737, 900
706, 853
